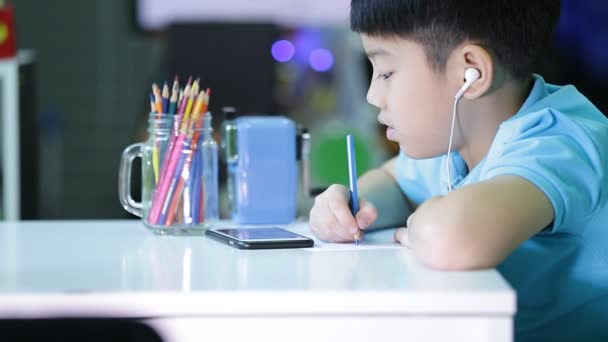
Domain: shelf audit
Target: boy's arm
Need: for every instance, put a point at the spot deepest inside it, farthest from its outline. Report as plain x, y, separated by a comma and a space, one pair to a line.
380, 187
479, 225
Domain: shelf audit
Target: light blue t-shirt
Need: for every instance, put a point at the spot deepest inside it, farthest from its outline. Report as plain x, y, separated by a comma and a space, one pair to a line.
559, 141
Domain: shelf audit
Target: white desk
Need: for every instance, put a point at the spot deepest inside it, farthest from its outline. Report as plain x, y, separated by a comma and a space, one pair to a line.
194, 288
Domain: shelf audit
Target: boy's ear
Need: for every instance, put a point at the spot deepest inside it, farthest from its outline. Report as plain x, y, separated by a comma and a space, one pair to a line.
475, 56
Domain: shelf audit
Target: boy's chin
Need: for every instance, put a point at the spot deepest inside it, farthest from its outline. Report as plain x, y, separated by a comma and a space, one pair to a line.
415, 152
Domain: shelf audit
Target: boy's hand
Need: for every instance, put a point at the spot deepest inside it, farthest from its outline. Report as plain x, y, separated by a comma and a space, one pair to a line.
402, 235
331, 219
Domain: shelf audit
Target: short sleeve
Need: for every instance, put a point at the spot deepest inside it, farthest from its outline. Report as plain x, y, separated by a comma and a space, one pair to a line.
564, 159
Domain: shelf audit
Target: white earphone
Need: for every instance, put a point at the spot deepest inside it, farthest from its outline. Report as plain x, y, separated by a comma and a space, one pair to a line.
470, 76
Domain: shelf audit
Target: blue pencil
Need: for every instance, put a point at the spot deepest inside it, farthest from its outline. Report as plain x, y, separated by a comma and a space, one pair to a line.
352, 179
196, 188
165, 98
152, 103
188, 198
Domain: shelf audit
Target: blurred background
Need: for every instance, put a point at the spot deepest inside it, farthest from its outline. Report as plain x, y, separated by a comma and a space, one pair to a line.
86, 67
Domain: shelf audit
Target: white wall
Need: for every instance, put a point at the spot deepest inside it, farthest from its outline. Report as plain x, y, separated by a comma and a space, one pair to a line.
155, 14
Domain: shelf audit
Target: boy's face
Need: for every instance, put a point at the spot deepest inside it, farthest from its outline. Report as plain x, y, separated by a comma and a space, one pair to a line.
415, 102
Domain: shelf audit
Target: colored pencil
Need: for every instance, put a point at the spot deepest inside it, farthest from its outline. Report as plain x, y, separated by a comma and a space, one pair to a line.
175, 131
174, 95
157, 98
195, 188
156, 147
167, 182
165, 98
191, 99
152, 104
184, 100
183, 174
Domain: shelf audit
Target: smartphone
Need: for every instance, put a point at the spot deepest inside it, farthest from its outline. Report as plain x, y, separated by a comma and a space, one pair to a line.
259, 238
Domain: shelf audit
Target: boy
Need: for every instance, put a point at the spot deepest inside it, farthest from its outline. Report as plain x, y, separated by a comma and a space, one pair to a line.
527, 167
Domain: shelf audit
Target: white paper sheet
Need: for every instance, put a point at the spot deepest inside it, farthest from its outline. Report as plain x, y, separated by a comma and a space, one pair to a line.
379, 239
332, 247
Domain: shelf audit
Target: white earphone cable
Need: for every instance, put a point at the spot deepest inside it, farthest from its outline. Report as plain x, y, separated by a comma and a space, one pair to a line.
448, 158
470, 76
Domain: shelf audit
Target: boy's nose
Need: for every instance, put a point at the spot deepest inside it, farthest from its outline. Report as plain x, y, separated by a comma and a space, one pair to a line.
374, 98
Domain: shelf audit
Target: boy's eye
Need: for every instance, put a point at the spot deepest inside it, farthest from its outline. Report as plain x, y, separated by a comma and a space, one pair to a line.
385, 76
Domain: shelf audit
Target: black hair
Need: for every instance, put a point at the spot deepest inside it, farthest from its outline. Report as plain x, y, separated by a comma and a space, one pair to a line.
514, 31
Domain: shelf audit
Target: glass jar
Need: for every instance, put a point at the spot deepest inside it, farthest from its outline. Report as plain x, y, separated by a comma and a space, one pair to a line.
179, 193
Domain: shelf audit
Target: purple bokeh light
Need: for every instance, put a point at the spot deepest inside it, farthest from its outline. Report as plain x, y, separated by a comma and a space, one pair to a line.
306, 40
321, 60
282, 50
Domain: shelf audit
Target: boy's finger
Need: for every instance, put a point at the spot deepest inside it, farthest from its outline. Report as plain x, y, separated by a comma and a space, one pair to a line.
326, 230
337, 192
359, 235
402, 236
337, 231
366, 215
344, 216
324, 221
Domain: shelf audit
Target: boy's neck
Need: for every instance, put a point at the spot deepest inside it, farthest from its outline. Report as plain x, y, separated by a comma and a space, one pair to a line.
479, 119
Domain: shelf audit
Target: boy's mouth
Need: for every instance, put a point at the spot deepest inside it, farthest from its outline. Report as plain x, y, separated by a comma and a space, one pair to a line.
390, 133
